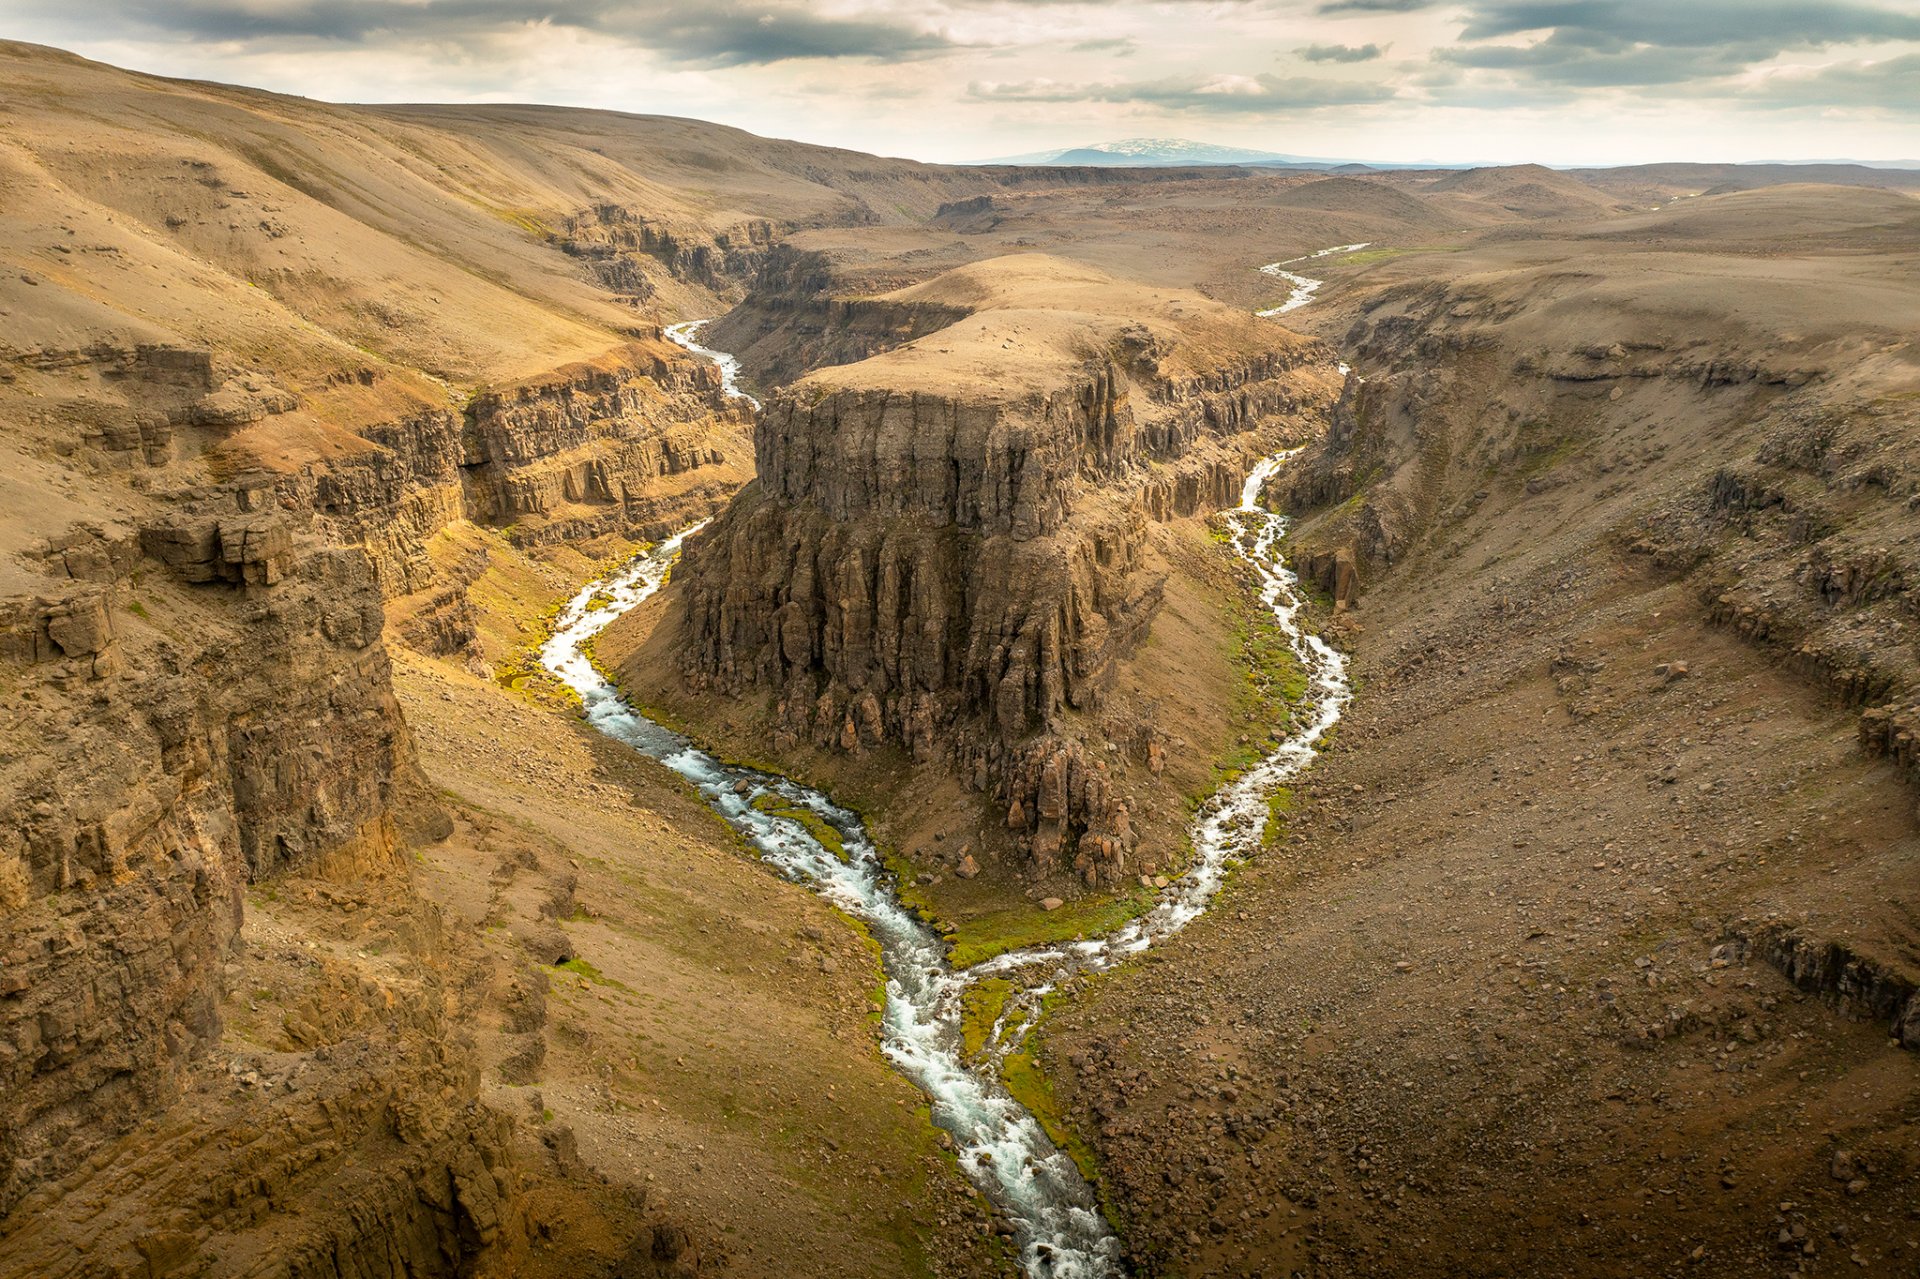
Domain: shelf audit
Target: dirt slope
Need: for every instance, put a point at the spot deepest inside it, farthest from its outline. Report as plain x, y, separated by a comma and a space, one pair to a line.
283, 384
1592, 946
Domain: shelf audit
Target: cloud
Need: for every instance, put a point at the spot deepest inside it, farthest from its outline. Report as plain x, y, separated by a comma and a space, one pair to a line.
714, 33
1333, 7
1573, 65
1584, 44
1120, 45
1890, 85
1340, 52
1219, 94
1694, 23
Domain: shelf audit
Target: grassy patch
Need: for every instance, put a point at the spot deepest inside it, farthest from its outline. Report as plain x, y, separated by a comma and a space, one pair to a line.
878, 996
528, 220
912, 894
521, 671
1279, 806
1367, 257
581, 968
996, 932
1274, 683
980, 1006
815, 825
1031, 1088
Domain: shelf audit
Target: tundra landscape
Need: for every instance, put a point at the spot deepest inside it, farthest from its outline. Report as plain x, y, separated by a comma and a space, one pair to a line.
596, 695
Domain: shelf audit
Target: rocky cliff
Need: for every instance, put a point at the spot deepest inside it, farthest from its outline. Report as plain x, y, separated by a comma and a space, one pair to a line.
201, 702
797, 317
955, 566
201, 705
1759, 463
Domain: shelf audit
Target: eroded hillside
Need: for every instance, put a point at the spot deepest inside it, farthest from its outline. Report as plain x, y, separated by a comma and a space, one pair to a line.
1604, 899
333, 943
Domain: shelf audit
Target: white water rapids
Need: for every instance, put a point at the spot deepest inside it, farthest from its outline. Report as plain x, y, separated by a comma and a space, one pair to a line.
1302, 288
1055, 1215
687, 334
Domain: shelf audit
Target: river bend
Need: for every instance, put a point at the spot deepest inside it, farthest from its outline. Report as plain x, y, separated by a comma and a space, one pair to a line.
1058, 1225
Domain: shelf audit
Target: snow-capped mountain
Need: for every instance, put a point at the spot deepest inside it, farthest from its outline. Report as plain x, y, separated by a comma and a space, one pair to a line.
1159, 152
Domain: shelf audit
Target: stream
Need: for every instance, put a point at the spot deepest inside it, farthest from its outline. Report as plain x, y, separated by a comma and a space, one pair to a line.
1056, 1217
687, 335
1301, 288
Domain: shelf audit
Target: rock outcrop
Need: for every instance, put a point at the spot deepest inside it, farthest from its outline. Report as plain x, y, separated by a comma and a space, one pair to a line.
583, 450
957, 571
200, 706
622, 243
795, 319
157, 770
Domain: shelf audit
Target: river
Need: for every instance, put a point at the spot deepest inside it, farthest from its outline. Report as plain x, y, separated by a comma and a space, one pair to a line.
1058, 1225
1301, 288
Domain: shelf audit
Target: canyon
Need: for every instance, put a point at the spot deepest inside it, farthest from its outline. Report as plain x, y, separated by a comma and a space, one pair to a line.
338, 939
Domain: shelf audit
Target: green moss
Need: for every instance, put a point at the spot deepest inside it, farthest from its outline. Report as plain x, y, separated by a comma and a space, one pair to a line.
521, 670
1369, 256
581, 968
1031, 1088
878, 999
980, 1006
1279, 807
139, 610
907, 887
815, 825
1273, 683
996, 932
528, 220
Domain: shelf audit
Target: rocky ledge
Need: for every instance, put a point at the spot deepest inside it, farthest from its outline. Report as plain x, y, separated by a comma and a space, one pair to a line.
957, 568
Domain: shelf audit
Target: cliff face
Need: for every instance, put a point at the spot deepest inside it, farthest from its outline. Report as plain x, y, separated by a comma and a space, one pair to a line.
792, 321
200, 705
613, 445
957, 573
173, 740
625, 248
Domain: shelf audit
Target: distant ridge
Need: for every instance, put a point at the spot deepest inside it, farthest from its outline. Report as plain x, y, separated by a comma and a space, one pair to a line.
1155, 153
1168, 152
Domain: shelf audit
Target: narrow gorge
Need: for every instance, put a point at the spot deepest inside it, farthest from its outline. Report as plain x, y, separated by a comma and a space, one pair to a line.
1063, 728
1054, 1214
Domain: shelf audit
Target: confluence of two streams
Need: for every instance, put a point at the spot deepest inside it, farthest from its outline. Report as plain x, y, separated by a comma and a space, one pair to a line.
1057, 1222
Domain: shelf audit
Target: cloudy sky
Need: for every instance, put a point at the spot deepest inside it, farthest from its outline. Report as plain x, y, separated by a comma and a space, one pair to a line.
1556, 81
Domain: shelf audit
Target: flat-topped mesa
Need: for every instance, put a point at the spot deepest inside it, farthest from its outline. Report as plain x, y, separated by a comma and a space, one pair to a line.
1001, 467
948, 547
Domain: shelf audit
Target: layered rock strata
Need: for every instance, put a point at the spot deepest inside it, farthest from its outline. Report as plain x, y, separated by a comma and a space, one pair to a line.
796, 319
155, 769
958, 574
199, 702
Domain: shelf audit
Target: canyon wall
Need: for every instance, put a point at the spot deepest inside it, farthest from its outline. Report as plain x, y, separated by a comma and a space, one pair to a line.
957, 574
201, 705
1764, 469
796, 318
